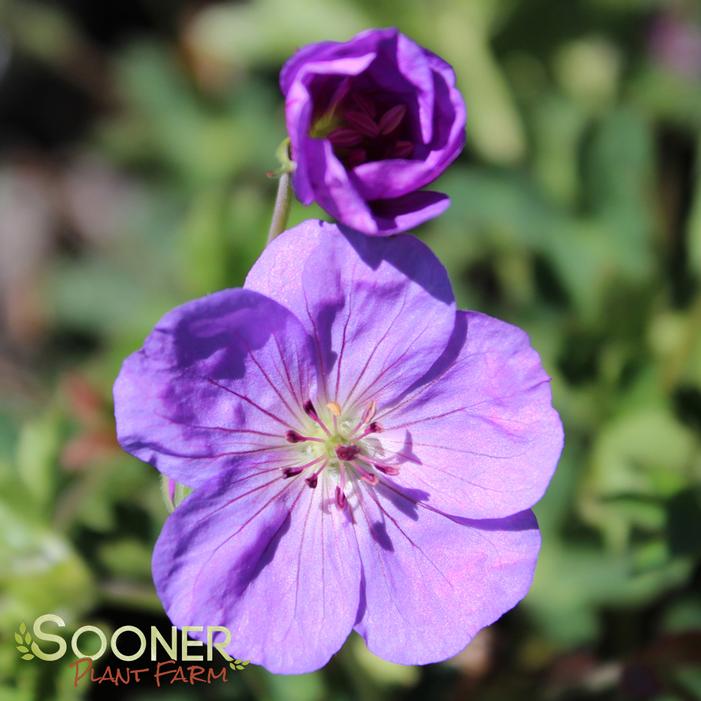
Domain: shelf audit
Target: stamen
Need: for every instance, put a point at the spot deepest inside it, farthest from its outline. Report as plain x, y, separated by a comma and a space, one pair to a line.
391, 119
340, 498
345, 137
313, 479
369, 413
382, 467
294, 437
374, 427
366, 476
310, 410
334, 408
386, 469
294, 470
362, 123
311, 413
347, 452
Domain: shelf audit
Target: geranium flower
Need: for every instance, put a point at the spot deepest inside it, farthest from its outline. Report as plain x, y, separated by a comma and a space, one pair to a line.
371, 121
363, 456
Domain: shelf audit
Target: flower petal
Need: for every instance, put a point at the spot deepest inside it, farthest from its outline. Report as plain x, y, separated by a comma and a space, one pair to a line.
274, 561
432, 582
386, 179
331, 51
478, 434
299, 111
380, 310
332, 187
218, 379
408, 211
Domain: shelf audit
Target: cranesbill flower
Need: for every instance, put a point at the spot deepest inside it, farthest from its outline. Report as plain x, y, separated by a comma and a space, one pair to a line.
371, 121
363, 456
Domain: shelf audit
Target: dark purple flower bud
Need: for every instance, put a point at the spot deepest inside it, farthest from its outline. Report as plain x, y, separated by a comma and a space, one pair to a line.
371, 122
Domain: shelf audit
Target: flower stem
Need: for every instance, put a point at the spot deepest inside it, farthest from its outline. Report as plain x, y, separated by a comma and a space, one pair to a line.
283, 200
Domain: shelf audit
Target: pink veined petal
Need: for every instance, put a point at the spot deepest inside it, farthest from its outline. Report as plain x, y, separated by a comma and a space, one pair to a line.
380, 310
432, 582
274, 561
479, 436
218, 380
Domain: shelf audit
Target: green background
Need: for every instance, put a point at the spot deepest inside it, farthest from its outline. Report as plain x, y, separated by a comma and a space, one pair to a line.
134, 143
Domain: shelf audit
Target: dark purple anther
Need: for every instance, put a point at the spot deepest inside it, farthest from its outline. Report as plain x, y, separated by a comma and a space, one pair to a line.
310, 411
369, 477
387, 469
391, 119
347, 452
340, 498
294, 437
312, 481
291, 471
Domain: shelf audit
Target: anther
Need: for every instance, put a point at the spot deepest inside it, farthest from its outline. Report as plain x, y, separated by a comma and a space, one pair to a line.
291, 471
366, 476
391, 119
369, 412
386, 469
294, 437
312, 480
347, 452
310, 410
334, 408
340, 498
374, 427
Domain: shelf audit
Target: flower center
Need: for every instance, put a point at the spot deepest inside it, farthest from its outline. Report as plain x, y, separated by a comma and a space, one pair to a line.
361, 131
344, 447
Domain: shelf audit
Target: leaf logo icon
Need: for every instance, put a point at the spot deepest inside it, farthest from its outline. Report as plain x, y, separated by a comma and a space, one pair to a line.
24, 641
238, 665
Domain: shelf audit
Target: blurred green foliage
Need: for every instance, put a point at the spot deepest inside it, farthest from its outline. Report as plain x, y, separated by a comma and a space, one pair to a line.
133, 177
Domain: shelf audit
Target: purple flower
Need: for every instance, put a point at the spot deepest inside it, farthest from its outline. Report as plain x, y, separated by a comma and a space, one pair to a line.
363, 455
372, 121
676, 44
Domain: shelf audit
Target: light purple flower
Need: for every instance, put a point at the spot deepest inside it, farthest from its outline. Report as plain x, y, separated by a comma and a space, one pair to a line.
372, 121
676, 44
363, 455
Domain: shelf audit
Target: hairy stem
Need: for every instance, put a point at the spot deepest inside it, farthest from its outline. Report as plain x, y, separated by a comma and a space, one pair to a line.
283, 200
